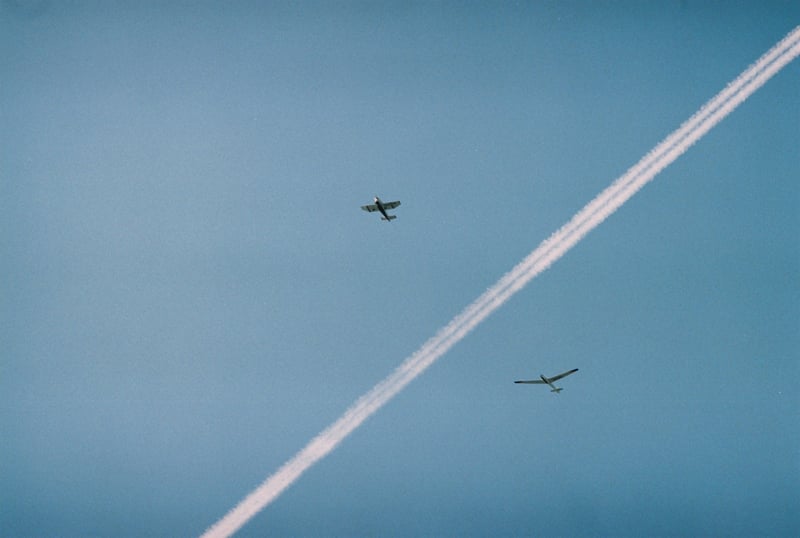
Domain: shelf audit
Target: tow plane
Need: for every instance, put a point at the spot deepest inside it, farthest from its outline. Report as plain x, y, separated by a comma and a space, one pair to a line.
548, 380
382, 207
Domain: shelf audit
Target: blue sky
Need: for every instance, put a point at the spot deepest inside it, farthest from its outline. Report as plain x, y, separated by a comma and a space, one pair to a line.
190, 292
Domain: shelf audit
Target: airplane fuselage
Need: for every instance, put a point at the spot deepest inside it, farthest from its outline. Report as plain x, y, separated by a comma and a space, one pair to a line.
382, 209
553, 388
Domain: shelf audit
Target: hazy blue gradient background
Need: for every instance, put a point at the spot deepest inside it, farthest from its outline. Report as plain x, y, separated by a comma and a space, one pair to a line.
190, 292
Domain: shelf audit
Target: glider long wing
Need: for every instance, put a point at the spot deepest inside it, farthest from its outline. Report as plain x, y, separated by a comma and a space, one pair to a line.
565, 374
549, 379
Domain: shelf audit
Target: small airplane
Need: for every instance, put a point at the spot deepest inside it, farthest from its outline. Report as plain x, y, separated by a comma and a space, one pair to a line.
382, 207
549, 381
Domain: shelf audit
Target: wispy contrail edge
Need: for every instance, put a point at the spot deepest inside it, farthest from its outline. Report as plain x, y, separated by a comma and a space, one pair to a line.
539, 260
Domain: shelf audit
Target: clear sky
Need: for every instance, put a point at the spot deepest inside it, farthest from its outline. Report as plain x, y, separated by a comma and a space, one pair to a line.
189, 291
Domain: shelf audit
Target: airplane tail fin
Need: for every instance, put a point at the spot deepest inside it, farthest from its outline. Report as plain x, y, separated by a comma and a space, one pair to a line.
390, 217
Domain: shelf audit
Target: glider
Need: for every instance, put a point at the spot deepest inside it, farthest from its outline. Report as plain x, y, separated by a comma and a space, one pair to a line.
382, 207
549, 381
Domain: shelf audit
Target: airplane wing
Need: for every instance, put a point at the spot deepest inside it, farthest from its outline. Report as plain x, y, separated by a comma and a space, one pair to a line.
391, 205
370, 208
532, 382
559, 376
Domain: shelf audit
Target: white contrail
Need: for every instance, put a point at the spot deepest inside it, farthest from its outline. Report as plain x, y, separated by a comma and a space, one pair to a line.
594, 213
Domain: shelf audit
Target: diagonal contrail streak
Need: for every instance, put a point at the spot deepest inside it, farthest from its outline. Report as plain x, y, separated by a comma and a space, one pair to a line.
549, 251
